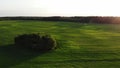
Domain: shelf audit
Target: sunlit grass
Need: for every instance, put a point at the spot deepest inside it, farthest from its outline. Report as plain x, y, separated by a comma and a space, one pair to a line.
79, 45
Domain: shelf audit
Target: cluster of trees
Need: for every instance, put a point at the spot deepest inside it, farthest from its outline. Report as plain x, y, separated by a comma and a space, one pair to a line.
35, 42
89, 19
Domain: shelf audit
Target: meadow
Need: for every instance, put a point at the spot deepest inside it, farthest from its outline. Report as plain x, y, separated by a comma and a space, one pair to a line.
79, 45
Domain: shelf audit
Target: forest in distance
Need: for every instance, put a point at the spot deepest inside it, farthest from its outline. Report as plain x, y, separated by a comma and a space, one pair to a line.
79, 19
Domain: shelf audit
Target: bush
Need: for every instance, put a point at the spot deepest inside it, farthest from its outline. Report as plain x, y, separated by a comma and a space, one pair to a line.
36, 41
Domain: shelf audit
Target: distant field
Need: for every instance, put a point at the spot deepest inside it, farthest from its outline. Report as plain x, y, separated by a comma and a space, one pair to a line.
79, 45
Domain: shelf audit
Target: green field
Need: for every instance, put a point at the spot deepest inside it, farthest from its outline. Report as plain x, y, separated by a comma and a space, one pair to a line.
79, 45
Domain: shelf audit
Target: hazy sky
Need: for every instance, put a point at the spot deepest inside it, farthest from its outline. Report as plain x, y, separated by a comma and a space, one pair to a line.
59, 8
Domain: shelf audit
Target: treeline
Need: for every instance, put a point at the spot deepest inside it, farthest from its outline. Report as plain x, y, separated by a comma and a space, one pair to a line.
90, 19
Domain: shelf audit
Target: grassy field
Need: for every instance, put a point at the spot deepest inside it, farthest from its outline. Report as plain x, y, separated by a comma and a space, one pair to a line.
79, 45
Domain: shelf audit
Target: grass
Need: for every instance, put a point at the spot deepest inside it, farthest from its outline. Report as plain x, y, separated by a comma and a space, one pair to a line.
79, 45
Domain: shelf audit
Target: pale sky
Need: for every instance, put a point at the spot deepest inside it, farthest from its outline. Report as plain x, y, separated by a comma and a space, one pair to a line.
59, 8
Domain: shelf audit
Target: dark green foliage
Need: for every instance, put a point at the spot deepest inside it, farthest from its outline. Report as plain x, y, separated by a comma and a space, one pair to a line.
36, 42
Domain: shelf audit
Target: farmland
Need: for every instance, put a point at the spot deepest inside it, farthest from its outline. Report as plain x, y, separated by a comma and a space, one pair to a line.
79, 45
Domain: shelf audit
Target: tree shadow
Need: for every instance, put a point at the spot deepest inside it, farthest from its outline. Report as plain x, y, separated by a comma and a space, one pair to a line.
11, 55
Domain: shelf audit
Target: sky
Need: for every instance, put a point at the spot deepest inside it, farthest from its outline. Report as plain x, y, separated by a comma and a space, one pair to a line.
59, 8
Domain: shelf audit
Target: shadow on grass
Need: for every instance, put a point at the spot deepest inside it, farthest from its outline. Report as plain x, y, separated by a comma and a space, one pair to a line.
11, 55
